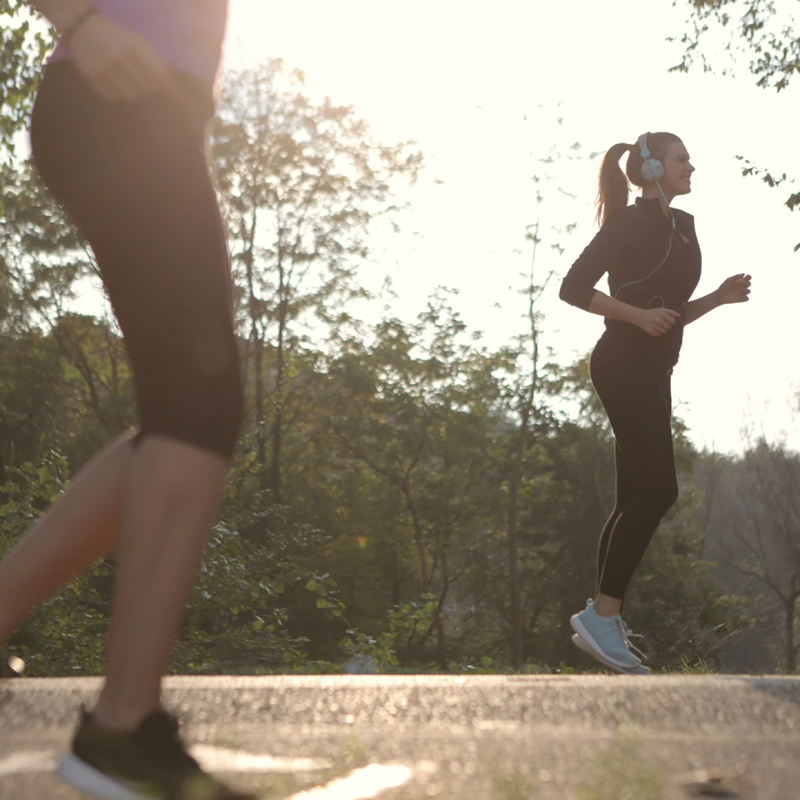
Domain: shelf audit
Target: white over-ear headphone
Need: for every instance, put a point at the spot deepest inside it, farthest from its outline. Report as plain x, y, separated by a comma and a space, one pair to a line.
652, 168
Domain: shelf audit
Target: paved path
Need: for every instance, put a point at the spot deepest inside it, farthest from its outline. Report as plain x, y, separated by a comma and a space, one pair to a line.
482, 737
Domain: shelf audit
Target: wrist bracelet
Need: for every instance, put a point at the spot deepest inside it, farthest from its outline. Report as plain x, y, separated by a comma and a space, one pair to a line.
66, 37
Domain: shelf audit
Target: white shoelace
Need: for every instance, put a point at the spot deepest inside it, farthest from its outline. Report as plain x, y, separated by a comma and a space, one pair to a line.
627, 634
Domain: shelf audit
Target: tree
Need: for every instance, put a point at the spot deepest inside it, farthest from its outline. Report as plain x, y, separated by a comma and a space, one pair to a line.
754, 529
767, 31
765, 28
528, 411
81, 365
24, 44
527, 407
526, 404
42, 256
236, 619
301, 182
416, 408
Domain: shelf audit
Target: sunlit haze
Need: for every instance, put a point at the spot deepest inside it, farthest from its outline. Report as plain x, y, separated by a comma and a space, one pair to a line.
480, 87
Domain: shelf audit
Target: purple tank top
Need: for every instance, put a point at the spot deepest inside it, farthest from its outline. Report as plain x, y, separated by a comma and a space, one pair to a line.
187, 33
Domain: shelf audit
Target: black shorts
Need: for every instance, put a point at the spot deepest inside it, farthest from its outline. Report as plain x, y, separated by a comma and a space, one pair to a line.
133, 177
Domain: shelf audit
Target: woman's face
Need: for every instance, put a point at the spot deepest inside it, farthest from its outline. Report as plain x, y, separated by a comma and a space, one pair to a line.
677, 170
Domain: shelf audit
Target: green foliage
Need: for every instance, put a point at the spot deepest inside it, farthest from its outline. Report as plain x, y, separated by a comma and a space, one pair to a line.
277, 593
370, 653
324, 587
24, 44
367, 515
237, 619
62, 373
65, 635
301, 183
29, 489
405, 623
766, 33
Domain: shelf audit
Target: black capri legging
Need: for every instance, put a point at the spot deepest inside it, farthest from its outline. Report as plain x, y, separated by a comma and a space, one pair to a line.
133, 177
635, 392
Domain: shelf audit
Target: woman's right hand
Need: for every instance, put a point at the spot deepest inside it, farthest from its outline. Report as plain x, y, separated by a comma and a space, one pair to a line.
657, 321
119, 64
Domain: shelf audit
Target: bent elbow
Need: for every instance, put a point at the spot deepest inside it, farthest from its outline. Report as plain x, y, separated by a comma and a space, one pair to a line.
570, 292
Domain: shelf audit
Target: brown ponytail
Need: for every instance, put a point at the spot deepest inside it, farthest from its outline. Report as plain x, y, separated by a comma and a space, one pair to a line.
613, 186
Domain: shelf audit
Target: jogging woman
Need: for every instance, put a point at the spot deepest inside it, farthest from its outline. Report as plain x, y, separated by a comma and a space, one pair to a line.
117, 135
652, 258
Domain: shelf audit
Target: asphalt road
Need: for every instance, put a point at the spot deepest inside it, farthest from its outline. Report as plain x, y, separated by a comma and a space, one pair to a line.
483, 737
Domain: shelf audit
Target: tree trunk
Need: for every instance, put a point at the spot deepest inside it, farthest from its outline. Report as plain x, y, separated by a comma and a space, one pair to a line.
527, 403
277, 421
441, 642
255, 309
438, 624
418, 540
791, 650
261, 434
395, 580
3, 478
513, 548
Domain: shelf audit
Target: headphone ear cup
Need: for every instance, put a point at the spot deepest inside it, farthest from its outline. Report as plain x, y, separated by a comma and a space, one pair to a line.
652, 170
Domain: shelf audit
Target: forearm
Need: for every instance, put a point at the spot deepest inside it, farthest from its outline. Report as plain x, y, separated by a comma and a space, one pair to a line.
61, 13
608, 307
697, 308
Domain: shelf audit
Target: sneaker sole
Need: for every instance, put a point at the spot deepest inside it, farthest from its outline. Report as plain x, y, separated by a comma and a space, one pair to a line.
578, 641
87, 779
597, 651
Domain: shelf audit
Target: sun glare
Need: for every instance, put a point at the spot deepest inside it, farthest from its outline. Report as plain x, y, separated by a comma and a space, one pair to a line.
496, 98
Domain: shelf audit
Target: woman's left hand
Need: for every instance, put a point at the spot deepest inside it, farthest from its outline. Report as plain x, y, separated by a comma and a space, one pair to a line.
734, 289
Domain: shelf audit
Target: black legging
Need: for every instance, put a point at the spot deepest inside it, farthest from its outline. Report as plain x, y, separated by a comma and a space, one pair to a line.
635, 392
133, 177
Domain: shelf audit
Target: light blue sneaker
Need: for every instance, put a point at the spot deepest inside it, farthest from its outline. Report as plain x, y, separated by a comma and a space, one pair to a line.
607, 638
581, 645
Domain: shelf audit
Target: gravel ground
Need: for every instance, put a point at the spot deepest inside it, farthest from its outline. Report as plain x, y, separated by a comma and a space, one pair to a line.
486, 737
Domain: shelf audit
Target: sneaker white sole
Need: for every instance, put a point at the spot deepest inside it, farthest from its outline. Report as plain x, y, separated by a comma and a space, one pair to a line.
578, 641
87, 779
597, 651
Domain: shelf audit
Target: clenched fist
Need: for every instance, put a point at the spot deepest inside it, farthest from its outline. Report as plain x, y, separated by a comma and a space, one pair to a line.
657, 321
734, 289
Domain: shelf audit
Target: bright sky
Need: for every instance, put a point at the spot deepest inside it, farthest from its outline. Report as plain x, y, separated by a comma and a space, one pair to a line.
479, 85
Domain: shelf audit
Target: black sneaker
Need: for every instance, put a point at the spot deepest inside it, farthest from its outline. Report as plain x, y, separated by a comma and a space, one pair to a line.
150, 763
